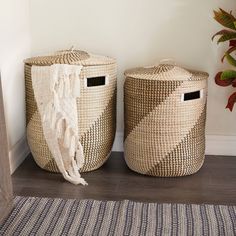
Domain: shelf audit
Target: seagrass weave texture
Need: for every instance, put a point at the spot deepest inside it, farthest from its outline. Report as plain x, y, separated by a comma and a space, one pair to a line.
96, 109
164, 133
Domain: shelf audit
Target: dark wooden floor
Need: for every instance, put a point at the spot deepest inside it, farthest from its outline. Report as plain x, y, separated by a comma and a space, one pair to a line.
215, 183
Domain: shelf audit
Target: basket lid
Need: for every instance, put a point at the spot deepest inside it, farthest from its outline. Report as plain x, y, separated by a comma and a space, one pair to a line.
165, 71
71, 57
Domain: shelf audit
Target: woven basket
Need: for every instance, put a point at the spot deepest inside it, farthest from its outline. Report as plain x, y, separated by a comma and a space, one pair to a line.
165, 112
96, 108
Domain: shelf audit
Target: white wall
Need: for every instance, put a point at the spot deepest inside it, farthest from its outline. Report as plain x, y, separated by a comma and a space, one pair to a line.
139, 32
14, 47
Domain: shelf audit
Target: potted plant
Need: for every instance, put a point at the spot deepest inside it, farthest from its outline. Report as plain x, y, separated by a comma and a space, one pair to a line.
228, 34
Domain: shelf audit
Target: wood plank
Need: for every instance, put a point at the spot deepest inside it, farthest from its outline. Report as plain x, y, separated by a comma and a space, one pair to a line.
6, 192
215, 183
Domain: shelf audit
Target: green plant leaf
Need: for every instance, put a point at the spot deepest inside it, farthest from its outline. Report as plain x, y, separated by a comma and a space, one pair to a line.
226, 37
232, 43
228, 75
223, 83
230, 59
224, 32
234, 83
230, 50
231, 101
224, 18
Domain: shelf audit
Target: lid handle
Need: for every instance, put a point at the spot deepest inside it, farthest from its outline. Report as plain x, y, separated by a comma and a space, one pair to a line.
168, 61
72, 48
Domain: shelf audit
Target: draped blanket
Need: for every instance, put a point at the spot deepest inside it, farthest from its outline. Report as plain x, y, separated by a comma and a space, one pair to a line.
56, 88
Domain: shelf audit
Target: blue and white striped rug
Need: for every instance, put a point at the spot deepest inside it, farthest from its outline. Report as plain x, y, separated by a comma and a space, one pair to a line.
44, 216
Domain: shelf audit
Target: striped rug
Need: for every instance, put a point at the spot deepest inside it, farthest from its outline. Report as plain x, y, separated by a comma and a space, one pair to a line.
44, 216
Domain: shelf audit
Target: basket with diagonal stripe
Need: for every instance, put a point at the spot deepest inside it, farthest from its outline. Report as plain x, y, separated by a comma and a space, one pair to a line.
165, 112
96, 108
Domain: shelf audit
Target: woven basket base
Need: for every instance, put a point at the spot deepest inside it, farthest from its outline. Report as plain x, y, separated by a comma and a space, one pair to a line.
185, 159
172, 175
95, 155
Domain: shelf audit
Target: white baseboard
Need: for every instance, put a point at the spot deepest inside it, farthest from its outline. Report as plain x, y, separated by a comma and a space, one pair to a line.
18, 154
215, 144
118, 143
221, 145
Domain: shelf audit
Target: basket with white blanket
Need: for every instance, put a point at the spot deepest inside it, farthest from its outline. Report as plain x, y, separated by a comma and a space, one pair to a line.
71, 111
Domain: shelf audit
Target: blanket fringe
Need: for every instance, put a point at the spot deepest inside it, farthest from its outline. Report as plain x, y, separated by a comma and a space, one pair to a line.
65, 84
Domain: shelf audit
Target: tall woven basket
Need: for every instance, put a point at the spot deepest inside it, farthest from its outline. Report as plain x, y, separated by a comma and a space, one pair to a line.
96, 108
165, 112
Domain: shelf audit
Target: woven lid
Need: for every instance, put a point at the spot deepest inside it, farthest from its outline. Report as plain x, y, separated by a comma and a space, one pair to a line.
165, 72
71, 57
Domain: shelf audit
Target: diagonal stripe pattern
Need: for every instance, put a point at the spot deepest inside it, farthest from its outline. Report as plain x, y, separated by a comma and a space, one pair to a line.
138, 96
195, 139
165, 134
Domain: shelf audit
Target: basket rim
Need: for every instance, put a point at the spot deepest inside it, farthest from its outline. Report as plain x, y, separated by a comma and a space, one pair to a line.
165, 72
78, 58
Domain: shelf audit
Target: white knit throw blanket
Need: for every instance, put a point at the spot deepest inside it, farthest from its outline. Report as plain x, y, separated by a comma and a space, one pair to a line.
56, 88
